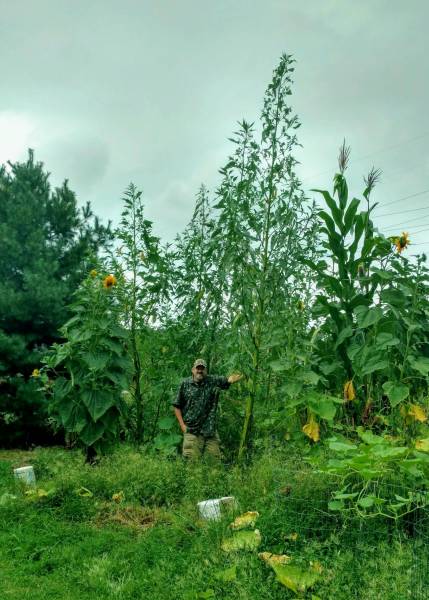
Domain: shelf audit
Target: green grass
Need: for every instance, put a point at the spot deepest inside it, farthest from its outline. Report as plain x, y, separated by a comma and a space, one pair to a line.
152, 545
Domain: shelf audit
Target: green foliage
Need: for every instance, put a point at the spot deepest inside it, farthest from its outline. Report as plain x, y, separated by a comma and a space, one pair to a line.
66, 544
91, 369
144, 268
373, 473
46, 243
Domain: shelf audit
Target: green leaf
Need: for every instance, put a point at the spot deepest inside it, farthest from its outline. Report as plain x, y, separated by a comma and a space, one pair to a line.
294, 578
420, 364
336, 505
242, 540
96, 361
322, 405
342, 446
366, 501
280, 365
343, 335
91, 433
292, 388
97, 401
374, 364
350, 215
396, 392
367, 316
394, 297
385, 340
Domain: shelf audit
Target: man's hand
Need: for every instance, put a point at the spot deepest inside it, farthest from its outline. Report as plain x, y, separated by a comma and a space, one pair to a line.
234, 377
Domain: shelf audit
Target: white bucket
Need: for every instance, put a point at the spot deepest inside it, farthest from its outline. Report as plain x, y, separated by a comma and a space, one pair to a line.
26, 475
211, 509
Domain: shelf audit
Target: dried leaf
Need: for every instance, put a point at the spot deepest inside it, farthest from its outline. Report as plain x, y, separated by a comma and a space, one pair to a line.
248, 519
422, 445
274, 559
349, 391
311, 429
417, 413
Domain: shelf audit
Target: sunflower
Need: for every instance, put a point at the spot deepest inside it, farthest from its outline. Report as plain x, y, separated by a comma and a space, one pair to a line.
35, 373
401, 242
109, 281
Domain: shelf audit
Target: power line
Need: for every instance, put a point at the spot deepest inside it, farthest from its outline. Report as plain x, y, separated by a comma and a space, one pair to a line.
406, 223
405, 198
401, 212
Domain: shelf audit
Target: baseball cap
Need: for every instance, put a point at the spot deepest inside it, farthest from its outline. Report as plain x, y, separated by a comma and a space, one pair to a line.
200, 362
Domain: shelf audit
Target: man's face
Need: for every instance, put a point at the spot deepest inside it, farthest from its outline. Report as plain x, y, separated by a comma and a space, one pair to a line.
199, 373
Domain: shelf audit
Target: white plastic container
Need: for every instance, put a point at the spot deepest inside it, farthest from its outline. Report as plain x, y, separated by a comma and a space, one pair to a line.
26, 475
211, 509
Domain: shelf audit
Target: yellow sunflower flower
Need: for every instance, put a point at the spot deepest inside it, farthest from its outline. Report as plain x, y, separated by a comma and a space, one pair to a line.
109, 281
401, 242
35, 373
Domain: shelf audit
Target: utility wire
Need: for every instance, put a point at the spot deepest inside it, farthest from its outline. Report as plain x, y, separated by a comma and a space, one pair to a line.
405, 198
401, 212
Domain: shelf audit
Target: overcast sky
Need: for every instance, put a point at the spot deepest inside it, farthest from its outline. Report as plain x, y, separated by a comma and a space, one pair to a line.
148, 91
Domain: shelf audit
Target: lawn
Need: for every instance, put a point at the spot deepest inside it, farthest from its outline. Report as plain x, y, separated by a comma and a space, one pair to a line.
129, 528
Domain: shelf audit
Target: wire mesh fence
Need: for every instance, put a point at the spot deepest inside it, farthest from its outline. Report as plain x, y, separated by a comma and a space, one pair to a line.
366, 554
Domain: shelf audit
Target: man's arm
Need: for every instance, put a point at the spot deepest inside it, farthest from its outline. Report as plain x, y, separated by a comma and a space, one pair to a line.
224, 382
179, 417
178, 405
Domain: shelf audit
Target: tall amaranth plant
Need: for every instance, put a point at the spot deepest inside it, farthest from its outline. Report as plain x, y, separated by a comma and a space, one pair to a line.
266, 229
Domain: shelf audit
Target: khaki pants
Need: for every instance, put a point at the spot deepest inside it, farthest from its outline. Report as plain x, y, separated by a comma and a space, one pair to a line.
194, 446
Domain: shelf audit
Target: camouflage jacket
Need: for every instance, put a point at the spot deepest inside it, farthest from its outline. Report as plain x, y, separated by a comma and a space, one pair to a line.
198, 403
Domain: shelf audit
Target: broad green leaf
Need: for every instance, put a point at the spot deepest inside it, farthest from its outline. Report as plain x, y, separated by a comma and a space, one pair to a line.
91, 433
385, 339
280, 365
295, 578
396, 392
420, 364
366, 501
96, 361
242, 540
97, 402
342, 446
367, 316
383, 274
374, 364
322, 405
393, 297
292, 389
343, 335
335, 505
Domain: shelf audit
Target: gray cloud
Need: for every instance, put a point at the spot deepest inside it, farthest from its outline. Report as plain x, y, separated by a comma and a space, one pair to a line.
150, 91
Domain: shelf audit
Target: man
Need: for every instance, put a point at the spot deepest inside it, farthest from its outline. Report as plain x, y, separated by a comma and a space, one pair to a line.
195, 407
